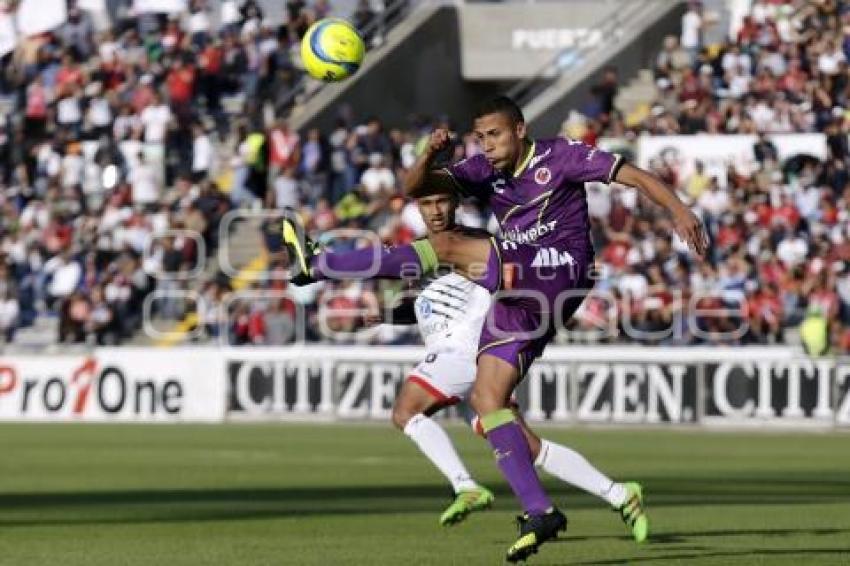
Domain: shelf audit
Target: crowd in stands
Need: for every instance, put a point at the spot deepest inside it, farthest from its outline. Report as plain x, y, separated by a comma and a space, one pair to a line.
146, 110
779, 230
110, 134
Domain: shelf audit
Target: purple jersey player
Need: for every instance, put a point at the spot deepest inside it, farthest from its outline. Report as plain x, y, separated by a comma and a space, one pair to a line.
545, 246
539, 267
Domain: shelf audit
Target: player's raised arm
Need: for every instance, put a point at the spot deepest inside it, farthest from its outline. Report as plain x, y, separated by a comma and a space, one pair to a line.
421, 180
687, 225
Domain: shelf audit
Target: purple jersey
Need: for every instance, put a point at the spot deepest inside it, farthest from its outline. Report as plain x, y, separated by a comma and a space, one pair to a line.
545, 202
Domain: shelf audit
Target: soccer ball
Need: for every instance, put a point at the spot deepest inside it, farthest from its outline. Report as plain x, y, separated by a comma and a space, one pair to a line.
332, 50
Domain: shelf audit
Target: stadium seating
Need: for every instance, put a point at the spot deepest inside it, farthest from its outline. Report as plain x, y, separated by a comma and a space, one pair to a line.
117, 143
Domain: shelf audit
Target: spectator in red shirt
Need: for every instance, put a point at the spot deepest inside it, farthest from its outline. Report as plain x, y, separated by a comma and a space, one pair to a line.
691, 88
821, 295
765, 315
794, 79
284, 148
748, 32
180, 83
786, 214
729, 235
616, 252
256, 326
209, 80
143, 95
763, 210
69, 77
35, 115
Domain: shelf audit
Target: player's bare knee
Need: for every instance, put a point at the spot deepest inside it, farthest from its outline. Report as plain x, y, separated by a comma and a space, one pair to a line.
401, 416
483, 402
408, 407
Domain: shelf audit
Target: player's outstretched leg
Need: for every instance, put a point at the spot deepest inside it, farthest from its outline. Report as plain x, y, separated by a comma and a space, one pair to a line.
463, 252
301, 251
308, 266
568, 465
410, 411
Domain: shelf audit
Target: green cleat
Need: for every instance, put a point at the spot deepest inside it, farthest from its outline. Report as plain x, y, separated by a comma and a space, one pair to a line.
534, 530
465, 503
632, 512
300, 251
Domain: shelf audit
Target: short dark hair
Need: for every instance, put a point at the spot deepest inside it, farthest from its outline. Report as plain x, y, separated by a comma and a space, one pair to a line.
438, 190
501, 105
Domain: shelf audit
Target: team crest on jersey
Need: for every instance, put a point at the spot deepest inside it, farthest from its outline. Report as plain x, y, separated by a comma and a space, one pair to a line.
542, 176
425, 308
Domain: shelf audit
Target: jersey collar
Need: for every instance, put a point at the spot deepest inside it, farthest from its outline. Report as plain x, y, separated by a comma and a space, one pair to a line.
522, 166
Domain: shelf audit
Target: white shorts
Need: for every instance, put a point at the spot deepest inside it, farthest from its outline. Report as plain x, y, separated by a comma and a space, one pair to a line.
447, 375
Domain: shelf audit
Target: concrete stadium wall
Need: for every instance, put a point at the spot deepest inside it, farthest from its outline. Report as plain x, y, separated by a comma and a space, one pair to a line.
631, 57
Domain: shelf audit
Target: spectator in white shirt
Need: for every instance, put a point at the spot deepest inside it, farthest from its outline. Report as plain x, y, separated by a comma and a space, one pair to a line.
73, 166
199, 23
792, 250
144, 182
692, 25
69, 115
126, 123
829, 62
66, 275
202, 153
156, 118
9, 311
99, 113
378, 179
633, 284
284, 193
739, 82
714, 201
808, 202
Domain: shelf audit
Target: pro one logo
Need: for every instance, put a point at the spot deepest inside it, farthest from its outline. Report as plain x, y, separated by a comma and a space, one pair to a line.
111, 385
87, 389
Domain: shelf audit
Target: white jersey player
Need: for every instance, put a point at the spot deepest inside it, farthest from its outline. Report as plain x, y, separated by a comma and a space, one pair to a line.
450, 311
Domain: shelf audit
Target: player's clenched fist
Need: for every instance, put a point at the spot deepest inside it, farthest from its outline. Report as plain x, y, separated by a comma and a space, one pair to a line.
440, 139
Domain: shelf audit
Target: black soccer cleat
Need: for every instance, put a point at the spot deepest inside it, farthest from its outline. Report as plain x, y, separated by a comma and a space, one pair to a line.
300, 251
534, 530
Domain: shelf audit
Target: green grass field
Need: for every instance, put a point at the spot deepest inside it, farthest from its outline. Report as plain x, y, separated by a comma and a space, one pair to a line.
360, 494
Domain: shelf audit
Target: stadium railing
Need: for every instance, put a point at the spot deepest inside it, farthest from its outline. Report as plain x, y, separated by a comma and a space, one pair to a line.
571, 58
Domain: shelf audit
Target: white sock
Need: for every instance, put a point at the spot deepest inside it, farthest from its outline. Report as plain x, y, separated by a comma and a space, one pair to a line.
437, 446
570, 466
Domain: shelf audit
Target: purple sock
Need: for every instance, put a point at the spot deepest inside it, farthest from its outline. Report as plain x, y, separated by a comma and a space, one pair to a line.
514, 459
368, 263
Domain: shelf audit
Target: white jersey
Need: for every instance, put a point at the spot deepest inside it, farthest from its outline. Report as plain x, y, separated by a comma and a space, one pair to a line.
450, 311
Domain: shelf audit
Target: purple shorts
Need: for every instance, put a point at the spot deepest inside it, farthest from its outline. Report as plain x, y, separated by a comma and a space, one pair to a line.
537, 290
